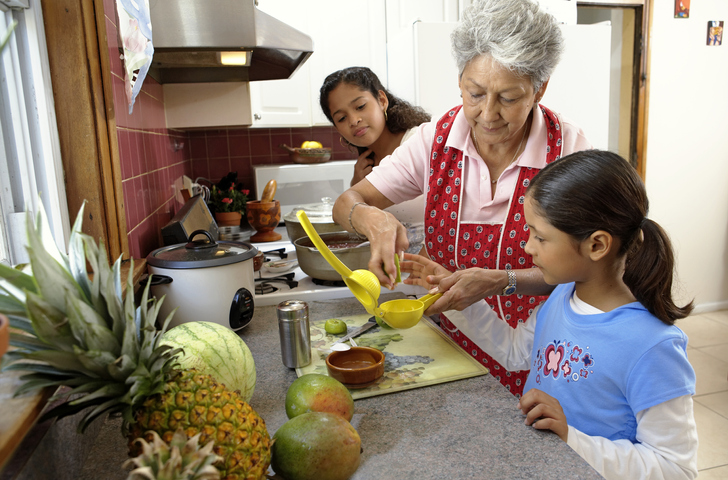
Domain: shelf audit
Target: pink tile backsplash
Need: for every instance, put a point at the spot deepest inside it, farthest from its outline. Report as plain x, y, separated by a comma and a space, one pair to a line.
154, 158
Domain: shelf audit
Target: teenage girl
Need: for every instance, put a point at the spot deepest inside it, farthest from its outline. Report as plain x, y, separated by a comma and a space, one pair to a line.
609, 372
373, 123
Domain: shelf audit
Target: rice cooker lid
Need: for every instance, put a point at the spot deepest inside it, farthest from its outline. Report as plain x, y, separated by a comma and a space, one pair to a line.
316, 212
201, 252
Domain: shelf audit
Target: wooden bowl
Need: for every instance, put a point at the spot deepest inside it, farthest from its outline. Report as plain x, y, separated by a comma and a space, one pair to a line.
356, 366
264, 218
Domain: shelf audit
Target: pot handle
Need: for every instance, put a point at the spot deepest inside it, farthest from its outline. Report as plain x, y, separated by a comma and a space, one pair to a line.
156, 279
201, 244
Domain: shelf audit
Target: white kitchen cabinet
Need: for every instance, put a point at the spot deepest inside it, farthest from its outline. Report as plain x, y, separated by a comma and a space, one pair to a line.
345, 33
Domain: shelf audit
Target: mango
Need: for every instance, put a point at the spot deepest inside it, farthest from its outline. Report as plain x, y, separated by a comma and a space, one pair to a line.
316, 446
314, 392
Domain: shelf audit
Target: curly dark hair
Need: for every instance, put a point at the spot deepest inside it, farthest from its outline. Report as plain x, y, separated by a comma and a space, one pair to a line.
401, 115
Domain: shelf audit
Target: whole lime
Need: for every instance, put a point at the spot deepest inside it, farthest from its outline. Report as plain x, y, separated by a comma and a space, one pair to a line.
316, 446
314, 392
335, 326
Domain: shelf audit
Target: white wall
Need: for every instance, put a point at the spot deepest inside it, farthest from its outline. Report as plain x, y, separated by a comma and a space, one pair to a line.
687, 147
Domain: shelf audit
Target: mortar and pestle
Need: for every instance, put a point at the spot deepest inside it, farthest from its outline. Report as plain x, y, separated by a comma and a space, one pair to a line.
264, 215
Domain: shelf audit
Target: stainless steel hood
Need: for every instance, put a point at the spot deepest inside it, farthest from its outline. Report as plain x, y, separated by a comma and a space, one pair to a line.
190, 36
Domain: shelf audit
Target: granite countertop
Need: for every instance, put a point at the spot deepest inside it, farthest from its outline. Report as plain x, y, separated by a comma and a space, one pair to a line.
462, 429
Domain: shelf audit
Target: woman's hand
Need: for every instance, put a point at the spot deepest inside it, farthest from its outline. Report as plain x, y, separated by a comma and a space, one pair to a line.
363, 167
544, 412
359, 210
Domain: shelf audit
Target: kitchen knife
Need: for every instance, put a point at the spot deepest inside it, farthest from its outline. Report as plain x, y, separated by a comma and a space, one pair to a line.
371, 323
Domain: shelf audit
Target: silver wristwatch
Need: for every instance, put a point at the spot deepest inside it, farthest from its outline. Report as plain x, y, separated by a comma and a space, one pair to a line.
511, 287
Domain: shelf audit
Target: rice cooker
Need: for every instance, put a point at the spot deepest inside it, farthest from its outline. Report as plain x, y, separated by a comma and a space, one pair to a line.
205, 280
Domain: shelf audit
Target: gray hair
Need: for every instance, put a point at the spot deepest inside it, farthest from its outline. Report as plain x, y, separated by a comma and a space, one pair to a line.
518, 34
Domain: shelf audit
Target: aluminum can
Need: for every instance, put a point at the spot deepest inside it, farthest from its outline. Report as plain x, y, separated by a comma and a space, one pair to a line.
295, 334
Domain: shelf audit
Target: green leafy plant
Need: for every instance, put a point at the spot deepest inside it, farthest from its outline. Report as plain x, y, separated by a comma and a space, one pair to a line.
230, 200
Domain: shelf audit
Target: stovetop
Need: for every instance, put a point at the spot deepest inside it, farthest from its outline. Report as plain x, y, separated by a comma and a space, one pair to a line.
294, 284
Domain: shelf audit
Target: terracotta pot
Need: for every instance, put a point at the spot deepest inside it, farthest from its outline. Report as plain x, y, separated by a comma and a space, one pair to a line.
4, 334
264, 218
228, 219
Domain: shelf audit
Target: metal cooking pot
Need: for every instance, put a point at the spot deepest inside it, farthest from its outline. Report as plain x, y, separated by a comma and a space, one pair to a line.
208, 280
320, 216
315, 265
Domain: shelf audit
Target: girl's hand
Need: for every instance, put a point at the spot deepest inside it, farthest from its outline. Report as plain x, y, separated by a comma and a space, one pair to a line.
544, 412
363, 167
420, 269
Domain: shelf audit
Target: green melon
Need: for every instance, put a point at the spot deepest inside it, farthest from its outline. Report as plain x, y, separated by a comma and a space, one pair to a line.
215, 350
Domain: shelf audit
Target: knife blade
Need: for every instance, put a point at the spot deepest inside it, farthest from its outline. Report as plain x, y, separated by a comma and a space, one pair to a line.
371, 323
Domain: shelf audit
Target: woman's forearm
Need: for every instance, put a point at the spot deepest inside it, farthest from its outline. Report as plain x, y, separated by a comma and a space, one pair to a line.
529, 281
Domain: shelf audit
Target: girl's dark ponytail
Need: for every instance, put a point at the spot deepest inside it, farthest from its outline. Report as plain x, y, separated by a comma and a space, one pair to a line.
649, 274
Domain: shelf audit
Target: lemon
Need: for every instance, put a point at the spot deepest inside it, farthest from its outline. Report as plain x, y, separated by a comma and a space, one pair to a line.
335, 326
311, 144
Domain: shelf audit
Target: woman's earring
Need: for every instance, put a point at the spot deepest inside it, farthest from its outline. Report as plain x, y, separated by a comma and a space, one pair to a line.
344, 143
385, 115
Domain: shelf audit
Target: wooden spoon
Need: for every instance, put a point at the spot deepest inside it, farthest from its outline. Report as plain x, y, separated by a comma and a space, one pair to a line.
269, 191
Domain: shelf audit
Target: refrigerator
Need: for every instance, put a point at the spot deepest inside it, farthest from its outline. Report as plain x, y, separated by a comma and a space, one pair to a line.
421, 70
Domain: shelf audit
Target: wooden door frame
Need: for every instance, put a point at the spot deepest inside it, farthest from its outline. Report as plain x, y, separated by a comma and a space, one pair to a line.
84, 101
640, 94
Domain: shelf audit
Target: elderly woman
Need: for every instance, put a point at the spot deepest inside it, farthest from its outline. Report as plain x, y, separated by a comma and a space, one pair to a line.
473, 165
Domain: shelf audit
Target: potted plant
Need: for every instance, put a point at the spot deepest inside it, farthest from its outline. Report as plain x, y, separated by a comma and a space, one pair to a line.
227, 200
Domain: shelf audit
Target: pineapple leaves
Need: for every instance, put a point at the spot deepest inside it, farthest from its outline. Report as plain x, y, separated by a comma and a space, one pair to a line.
112, 293
26, 342
54, 281
90, 329
122, 368
49, 324
95, 361
64, 362
18, 279
76, 257
10, 305
21, 323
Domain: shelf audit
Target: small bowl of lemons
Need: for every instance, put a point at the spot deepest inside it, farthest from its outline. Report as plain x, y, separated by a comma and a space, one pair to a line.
310, 152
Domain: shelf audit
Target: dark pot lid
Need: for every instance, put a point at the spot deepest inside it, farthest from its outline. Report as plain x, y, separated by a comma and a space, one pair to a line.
316, 212
201, 252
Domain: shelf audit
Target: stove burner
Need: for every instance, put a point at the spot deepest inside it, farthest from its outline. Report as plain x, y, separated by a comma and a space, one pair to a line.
263, 285
279, 252
328, 283
263, 288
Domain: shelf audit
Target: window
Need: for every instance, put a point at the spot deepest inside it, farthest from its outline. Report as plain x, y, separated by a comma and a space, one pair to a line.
30, 159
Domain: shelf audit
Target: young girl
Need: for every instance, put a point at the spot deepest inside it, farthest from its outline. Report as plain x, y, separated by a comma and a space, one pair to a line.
373, 122
609, 373
369, 118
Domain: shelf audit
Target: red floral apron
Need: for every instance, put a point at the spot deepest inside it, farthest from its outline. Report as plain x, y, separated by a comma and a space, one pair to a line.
458, 245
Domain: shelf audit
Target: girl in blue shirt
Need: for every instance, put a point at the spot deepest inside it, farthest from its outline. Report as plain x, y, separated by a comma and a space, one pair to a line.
609, 372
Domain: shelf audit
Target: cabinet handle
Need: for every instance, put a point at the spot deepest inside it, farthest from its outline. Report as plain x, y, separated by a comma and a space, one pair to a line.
256, 116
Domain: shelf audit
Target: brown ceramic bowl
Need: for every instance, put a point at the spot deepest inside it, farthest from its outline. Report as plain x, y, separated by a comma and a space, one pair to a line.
356, 366
264, 218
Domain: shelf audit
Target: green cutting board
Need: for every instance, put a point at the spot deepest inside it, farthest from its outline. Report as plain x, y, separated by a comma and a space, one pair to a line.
414, 357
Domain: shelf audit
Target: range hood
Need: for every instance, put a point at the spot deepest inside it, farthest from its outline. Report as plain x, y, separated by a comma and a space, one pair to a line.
192, 39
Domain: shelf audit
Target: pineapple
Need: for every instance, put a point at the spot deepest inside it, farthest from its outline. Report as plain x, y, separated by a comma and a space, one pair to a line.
77, 331
182, 459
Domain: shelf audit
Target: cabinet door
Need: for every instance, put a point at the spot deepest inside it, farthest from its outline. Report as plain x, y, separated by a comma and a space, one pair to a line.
278, 103
345, 33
